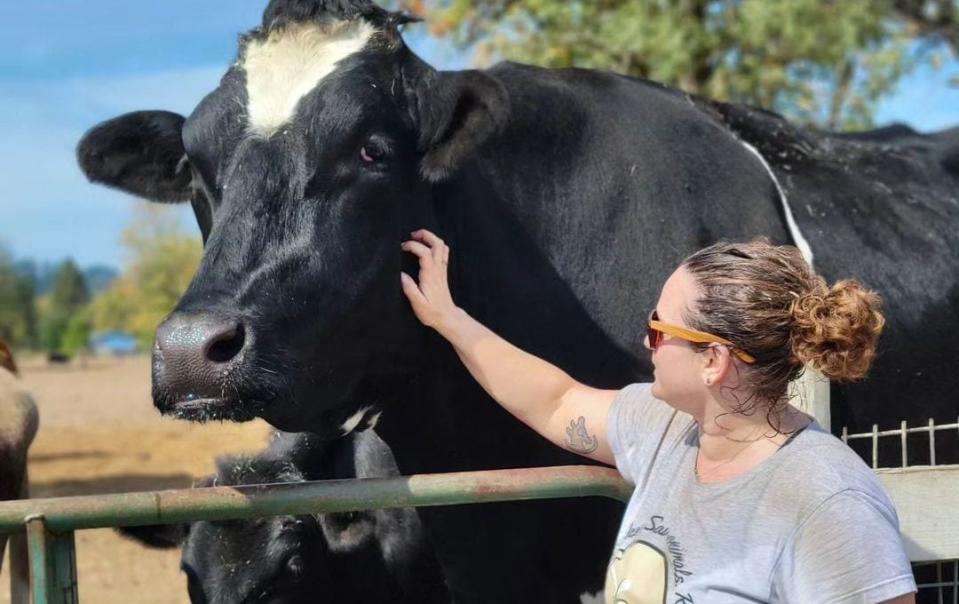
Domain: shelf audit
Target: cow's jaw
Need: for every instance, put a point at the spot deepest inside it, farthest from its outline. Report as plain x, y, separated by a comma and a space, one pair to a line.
289, 64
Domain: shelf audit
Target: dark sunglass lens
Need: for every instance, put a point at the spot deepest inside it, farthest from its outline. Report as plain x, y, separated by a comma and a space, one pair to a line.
651, 335
654, 335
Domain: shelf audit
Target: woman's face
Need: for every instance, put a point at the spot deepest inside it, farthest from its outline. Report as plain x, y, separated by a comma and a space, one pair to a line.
677, 364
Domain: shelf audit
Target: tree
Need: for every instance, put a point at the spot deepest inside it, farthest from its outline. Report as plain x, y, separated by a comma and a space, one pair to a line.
161, 258
18, 316
817, 61
70, 291
76, 335
65, 302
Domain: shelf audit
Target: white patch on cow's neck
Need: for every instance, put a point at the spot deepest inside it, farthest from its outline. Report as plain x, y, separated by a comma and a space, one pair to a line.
354, 420
592, 598
290, 62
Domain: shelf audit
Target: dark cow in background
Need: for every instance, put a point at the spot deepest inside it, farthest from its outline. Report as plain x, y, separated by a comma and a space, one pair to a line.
19, 422
6, 358
356, 558
567, 196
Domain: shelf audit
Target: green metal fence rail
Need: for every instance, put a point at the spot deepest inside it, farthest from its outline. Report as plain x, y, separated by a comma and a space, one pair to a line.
50, 523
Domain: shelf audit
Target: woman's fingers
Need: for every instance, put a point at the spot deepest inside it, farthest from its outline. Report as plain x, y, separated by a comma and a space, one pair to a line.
441, 252
425, 245
411, 290
427, 237
430, 295
417, 249
418, 301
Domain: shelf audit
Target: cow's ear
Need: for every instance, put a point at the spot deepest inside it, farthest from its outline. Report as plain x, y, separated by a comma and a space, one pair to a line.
456, 112
160, 536
140, 153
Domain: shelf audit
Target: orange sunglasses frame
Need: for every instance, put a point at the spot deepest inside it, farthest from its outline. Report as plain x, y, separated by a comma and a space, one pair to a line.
699, 337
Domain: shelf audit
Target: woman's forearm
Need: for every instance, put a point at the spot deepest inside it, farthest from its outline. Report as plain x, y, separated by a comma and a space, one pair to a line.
526, 386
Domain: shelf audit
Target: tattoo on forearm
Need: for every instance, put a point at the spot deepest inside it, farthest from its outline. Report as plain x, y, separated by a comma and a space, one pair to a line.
578, 438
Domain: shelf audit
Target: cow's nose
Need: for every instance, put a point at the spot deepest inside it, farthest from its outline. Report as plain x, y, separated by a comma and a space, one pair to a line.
197, 346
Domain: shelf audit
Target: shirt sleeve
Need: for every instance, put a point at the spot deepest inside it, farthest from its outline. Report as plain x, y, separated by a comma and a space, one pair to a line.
848, 551
636, 426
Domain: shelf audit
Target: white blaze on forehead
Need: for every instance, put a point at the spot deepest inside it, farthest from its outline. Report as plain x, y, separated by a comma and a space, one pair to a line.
289, 63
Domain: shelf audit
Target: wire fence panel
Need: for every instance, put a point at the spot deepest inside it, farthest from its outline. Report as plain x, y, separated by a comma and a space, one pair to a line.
926, 493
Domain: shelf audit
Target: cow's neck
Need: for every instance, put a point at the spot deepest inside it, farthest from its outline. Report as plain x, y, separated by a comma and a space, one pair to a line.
565, 226
506, 280
512, 271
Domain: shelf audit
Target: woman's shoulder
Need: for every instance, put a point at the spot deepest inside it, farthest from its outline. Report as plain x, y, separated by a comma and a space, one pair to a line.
818, 466
641, 412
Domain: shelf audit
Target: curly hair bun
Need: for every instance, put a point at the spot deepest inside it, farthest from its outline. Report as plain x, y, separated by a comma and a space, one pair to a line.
836, 329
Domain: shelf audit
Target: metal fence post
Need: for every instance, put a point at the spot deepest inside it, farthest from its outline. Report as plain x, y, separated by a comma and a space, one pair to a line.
53, 564
19, 569
812, 392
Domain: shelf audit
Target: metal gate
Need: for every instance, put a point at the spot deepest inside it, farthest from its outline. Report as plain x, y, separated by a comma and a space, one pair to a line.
50, 523
927, 502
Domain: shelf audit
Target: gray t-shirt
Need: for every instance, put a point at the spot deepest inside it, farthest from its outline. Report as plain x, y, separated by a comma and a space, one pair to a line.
810, 524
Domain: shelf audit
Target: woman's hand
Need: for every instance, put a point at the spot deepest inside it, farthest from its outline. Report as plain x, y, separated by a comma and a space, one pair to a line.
431, 299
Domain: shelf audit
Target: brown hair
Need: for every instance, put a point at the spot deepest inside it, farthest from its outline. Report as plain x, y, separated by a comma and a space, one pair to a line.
767, 300
6, 358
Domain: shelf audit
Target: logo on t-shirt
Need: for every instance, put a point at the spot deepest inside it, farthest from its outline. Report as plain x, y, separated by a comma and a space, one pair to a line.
639, 574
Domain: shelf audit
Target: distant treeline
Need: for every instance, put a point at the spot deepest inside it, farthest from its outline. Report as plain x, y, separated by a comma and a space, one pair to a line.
54, 307
41, 304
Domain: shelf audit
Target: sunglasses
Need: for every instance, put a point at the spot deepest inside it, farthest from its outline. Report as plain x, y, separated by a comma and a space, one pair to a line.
656, 331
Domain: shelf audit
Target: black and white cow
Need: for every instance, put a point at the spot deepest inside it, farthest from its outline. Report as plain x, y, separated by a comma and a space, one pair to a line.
376, 556
567, 197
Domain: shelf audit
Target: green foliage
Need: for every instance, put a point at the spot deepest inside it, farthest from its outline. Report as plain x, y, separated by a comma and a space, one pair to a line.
160, 261
70, 291
66, 301
53, 325
76, 335
18, 314
816, 61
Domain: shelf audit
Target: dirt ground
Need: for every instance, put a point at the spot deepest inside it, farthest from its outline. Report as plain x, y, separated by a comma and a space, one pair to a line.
99, 433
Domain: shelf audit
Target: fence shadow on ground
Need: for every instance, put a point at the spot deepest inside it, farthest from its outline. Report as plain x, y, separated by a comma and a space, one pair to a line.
119, 483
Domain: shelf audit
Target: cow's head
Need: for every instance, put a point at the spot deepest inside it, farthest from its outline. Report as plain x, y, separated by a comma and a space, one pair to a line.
306, 168
288, 559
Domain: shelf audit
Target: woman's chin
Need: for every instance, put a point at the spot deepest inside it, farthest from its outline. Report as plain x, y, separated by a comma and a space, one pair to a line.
656, 390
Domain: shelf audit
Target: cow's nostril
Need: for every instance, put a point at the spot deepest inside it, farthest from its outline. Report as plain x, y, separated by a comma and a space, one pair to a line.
225, 346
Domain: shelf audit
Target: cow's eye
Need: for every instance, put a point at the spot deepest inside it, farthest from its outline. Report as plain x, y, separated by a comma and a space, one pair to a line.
375, 150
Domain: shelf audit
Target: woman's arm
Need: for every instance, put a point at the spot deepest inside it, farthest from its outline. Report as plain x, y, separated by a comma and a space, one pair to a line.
568, 413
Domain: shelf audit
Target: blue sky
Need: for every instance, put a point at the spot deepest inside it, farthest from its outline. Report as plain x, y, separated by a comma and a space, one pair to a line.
67, 64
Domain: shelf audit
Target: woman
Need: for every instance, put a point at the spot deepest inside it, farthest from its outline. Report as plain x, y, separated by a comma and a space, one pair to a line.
740, 497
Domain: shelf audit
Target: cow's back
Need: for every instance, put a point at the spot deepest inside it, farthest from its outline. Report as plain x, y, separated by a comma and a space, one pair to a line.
883, 209
622, 178
598, 188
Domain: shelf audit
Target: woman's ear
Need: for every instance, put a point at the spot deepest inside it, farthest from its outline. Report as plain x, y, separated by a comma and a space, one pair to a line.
717, 364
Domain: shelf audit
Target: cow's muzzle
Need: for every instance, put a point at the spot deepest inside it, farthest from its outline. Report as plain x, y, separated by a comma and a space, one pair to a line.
196, 361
